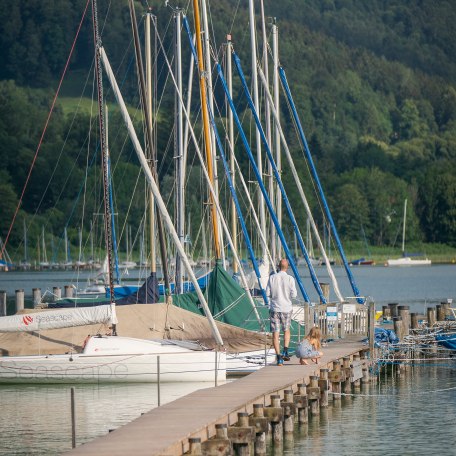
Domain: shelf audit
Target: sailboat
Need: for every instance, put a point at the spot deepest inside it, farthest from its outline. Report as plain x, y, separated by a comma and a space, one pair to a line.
105, 358
407, 260
112, 358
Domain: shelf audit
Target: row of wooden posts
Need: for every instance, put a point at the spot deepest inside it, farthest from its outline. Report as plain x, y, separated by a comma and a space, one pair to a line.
404, 320
36, 297
286, 407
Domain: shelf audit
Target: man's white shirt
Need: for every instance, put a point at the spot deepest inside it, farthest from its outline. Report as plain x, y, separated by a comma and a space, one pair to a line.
281, 289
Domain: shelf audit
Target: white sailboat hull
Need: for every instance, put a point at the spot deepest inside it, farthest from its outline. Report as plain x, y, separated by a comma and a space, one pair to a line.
407, 261
111, 359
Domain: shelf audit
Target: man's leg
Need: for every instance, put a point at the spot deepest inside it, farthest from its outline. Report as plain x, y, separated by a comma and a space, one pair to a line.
276, 341
286, 343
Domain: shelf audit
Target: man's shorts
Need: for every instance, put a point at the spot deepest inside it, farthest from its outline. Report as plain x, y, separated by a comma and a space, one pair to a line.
280, 319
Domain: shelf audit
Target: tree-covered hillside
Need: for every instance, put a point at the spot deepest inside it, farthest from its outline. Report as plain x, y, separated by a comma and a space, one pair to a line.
374, 82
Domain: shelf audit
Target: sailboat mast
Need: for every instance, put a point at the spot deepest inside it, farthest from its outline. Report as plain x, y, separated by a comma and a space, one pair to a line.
276, 86
403, 227
104, 156
149, 142
256, 104
229, 49
207, 137
267, 119
179, 131
25, 242
150, 150
65, 235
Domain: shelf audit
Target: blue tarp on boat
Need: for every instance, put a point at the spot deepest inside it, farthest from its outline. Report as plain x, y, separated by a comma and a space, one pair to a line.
446, 340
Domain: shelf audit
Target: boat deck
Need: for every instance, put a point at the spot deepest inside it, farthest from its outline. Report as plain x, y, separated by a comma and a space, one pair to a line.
165, 430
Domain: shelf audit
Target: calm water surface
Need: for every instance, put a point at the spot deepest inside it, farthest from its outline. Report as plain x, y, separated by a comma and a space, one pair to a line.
406, 416
411, 415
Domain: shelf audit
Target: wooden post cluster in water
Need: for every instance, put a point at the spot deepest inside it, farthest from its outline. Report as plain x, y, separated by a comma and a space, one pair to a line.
298, 404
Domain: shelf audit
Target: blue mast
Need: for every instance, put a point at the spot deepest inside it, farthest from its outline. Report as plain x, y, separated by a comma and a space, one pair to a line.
261, 184
279, 180
320, 188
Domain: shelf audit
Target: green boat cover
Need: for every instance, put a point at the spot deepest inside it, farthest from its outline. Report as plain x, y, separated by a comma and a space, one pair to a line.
229, 303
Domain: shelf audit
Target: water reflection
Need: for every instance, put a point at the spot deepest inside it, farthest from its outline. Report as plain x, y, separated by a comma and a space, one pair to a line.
35, 419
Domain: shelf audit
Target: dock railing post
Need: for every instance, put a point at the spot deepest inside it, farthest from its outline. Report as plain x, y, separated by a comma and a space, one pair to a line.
341, 324
73, 419
371, 329
260, 423
158, 382
2, 303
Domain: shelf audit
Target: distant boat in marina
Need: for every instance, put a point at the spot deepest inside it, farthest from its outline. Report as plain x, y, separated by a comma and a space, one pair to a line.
407, 260
362, 262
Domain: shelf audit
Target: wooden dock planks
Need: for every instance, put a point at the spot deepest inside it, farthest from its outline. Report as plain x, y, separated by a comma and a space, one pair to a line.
165, 430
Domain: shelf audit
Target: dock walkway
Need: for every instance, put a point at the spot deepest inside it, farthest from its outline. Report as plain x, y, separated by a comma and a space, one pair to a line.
165, 430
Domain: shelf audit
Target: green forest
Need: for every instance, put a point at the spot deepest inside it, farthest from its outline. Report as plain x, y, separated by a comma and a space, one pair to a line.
374, 83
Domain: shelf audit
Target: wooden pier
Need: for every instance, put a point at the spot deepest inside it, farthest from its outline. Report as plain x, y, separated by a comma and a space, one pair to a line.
235, 414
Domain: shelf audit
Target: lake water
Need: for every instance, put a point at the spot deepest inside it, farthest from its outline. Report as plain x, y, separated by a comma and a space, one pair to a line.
405, 416
414, 414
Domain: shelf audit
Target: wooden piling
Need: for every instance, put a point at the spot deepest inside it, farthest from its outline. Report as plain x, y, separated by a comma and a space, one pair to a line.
69, 291
220, 445
242, 435
346, 386
414, 320
36, 293
393, 309
57, 292
336, 378
289, 411
431, 316
195, 446
325, 290
323, 383
19, 300
302, 403
404, 312
2, 303
398, 327
274, 413
313, 393
441, 312
386, 313
356, 371
260, 423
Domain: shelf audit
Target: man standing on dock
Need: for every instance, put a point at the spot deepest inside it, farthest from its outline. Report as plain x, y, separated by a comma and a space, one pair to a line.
281, 289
